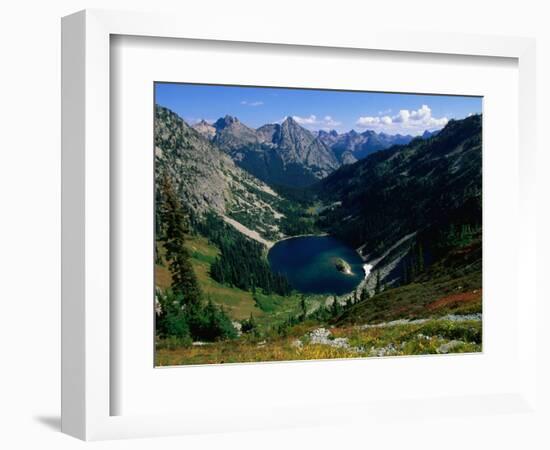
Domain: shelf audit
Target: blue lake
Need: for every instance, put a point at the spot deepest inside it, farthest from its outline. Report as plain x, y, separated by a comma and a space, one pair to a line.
309, 264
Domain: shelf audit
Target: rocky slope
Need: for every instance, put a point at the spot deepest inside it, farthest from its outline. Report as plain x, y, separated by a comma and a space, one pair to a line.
298, 145
205, 129
232, 135
280, 154
208, 180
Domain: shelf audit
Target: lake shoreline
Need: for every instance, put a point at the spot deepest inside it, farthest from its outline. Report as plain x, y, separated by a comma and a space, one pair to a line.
286, 238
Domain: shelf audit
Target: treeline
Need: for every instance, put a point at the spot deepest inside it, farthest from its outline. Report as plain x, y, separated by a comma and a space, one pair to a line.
293, 204
322, 314
433, 244
241, 262
296, 222
182, 312
413, 264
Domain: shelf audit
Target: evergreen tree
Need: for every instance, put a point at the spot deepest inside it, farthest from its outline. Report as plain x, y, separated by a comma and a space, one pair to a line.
336, 308
170, 320
249, 325
172, 215
182, 312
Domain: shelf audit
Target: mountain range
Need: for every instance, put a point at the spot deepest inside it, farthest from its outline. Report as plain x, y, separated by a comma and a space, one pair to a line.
208, 180
423, 179
407, 210
423, 194
410, 202
288, 154
353, 146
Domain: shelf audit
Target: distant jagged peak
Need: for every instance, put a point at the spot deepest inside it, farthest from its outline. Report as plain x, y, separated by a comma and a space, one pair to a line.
205, 128
289, 120
292, 127
325, 133
266, 132
226, 121
268, 127
367, 132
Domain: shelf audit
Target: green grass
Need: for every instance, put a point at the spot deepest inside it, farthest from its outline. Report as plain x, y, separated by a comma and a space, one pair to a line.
274, 303
419, 300
239, 304
397, 340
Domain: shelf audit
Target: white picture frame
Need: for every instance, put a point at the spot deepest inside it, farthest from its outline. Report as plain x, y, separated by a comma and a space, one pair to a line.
87, 385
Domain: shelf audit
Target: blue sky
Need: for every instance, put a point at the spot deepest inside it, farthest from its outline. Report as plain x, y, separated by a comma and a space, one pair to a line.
316, 109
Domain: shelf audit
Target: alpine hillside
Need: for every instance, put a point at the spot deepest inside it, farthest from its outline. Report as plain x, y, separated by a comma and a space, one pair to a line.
412, 202
208, 180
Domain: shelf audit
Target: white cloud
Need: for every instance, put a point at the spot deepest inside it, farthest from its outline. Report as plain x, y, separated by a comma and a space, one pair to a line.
256, 103
402, 116
367, 121
330, 122
405, 121
310, 120
314, 122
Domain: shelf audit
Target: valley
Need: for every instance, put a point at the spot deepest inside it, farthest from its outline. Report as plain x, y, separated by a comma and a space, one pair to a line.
303, 245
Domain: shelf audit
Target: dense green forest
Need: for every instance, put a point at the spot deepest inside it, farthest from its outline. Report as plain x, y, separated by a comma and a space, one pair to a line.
242, 261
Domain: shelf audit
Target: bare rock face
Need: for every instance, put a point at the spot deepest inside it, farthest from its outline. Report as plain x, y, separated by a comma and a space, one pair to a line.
232, 134
298, 145
205, 129
282, 154
328, 137
265, 132
199, 172
347, 157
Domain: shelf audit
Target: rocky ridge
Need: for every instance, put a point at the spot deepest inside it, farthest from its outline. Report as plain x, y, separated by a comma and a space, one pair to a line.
207, 179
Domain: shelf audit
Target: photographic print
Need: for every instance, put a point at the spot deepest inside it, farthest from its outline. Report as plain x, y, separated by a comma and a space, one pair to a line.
300, 224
